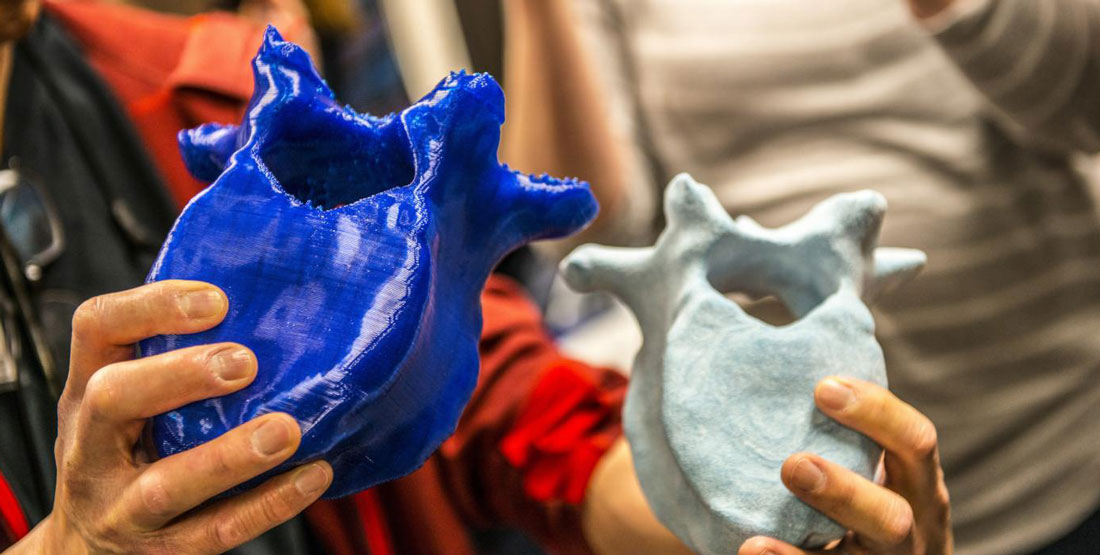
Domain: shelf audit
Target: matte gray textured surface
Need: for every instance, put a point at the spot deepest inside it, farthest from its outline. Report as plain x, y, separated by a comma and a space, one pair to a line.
717, 398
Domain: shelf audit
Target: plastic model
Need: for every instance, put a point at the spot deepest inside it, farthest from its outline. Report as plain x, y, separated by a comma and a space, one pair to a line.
353, 250
717, 398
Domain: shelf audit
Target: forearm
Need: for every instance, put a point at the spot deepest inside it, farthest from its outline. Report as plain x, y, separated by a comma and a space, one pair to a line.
535, 427
557, 121
1038, 62
26, 546
616, 517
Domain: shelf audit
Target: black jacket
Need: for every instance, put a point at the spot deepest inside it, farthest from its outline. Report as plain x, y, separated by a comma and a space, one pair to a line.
66, 133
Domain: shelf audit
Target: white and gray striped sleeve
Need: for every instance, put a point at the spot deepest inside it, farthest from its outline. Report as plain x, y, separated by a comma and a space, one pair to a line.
1038, 61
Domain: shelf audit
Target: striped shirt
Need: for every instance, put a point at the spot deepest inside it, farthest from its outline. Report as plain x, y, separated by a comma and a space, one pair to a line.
778, 104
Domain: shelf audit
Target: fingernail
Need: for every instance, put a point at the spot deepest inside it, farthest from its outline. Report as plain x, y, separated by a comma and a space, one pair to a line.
834, 395
807, 477
271, 437
311, 479
202, 303
232, 364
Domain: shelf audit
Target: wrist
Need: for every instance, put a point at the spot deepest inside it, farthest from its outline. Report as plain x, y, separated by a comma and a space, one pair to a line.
33, 542
47, 538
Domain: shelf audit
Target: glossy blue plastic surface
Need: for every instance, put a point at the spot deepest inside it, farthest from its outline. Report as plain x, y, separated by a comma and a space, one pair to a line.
353, 250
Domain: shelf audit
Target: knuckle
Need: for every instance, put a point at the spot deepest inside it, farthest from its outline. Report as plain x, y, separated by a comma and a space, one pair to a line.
109, 535
203, 366
155, 497
86, 319
100, 395
67, 408
227, 533
277, 507
898, 526
272, 508
164, 298
943, 496
925, 439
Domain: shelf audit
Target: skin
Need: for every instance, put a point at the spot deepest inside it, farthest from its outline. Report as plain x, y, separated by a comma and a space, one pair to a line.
616, 518
909, 513
928, 8
556, 120
110, 497
16, 18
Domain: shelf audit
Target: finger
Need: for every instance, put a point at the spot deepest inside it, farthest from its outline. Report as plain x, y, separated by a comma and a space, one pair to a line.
167, 381
761, 545
902, 430
234, 521
106, 327
876, 514
181, 482
111, 412
927, 494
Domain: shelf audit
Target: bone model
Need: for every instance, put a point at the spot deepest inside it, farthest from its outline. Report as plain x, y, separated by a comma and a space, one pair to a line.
353, 251
718, 399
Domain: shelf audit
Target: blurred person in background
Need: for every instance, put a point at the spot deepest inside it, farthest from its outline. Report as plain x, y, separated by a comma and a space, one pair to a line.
969, 116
